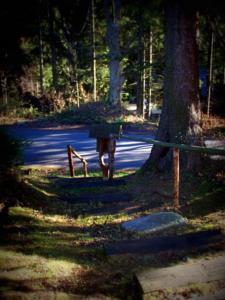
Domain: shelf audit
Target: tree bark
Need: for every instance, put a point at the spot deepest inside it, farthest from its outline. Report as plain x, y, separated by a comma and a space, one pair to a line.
41, 59
53, 47
113, 42
140, 73
210, 81
71, 48
4, 88
180, 120
93, 51
149, 77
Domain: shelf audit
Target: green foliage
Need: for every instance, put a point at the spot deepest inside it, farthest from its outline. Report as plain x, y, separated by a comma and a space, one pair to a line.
92, 113
77, 116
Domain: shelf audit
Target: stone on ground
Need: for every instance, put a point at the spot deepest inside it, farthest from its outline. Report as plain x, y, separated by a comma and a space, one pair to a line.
154, 222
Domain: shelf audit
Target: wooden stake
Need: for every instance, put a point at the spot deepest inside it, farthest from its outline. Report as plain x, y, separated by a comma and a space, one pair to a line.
176, 177
85, 168
70, 159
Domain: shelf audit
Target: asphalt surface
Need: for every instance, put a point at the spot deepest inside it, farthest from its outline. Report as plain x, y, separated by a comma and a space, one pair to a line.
47, 147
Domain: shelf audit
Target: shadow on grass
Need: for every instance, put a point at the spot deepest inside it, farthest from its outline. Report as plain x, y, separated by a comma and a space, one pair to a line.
36, 232
206, 202
84, 245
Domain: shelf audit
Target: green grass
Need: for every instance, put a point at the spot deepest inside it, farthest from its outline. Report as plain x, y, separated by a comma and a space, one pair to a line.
50, 245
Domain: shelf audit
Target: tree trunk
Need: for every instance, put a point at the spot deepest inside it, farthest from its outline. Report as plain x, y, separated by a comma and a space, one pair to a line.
113, 41
53, 47
41, 59
4, 88
149, 80
180, 120
224, 75
210, 82
72, 60
93, 51
140, 73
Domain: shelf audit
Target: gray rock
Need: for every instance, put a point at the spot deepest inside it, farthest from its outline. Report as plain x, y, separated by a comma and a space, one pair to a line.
154, 222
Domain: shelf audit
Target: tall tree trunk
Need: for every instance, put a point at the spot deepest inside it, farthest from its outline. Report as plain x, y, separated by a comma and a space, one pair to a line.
224, 75
72, 60
93, 51
53, 47
180, 120
144, 79
77, 93
210, 81
4, 88
112, 13
140, 73
149, 81
41, 58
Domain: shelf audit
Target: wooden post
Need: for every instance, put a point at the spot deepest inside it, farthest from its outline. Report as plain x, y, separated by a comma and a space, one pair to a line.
85, 165
111, 152
176, 177
70, 159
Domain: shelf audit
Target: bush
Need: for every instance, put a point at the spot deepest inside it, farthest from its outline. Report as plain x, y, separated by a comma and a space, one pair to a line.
10, 186
10, 149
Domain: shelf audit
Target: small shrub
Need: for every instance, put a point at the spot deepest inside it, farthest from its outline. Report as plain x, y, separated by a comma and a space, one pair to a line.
10, 149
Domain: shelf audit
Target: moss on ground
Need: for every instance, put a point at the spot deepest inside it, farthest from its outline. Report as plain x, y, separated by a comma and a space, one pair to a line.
49, 245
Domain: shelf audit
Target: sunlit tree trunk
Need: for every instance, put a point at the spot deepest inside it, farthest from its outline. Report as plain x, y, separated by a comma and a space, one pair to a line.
180, 120
149, 81
93, 51
112, 13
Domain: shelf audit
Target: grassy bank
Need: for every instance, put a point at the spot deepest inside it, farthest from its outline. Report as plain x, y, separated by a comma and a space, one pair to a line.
51, 247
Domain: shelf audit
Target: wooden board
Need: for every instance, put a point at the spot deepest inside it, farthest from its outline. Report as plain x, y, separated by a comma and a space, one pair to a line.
103, 198
189, 241
200, 271
77, 183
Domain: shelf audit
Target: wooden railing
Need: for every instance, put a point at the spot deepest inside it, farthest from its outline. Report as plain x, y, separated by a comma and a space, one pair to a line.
176, 159
70, 152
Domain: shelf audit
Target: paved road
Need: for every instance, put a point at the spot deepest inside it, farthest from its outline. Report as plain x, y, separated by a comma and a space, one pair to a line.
48, 147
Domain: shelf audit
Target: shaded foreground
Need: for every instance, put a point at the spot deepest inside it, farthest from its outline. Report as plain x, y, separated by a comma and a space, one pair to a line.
56, 248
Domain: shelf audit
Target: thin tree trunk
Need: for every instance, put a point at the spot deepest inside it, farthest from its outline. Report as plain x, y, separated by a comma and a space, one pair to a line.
113, 41
180, 120
77, 93
41, 57
93, 51
72, 60
150, 60
210, 73
53, 48
4, 87
224, 75
140, 75
144, 78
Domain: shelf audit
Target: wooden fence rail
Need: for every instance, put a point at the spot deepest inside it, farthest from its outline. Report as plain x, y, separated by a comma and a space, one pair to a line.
210, 151
71, 151
176, 159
